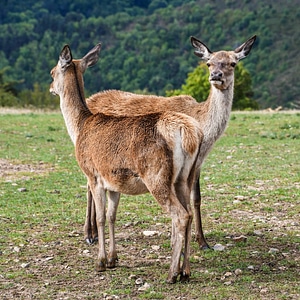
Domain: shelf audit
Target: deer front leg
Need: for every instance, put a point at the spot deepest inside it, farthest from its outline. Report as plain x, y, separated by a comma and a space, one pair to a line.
90, 226
196, 198
113, 202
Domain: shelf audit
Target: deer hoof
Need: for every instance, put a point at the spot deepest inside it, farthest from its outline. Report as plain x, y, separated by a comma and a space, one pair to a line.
184, 277
172, 279
91, 241
111, 263
101, 266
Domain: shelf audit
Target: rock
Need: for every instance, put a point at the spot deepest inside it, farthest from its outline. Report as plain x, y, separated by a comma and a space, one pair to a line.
219, 247
241, 238
155, 247
238, 272
273, 250
25, 265
228, 274
139, 281
150, 233
257, 233
240, 197
236, 202
145, 287
16, 249
22, 190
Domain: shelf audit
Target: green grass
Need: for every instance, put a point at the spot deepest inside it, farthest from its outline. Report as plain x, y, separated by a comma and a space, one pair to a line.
250, 186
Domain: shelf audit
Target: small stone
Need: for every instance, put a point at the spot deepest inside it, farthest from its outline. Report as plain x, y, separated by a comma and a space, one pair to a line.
132, 276
273, 250
145, 287
86, 251
219, 247
155, 247
49, 258
264, 291
228, 274
239, 239
250, 267
258, 233
16, 249
149, 233
227, 282
236, 202
139, 281
22, 190
238, 272
25, 265
240, 197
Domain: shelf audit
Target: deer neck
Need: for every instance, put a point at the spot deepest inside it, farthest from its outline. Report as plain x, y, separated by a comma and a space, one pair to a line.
73, 106
218, 106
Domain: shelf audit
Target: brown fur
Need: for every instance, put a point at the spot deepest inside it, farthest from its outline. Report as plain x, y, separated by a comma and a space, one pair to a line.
153, 153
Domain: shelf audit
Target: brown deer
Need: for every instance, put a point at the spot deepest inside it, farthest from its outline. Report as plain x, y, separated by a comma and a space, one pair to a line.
153, 153
212, 115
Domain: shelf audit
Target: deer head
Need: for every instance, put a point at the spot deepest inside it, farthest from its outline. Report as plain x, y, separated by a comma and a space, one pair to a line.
221, 64
64, 66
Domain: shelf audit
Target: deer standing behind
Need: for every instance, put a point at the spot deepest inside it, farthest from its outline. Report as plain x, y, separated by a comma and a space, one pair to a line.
153, 153
212, 115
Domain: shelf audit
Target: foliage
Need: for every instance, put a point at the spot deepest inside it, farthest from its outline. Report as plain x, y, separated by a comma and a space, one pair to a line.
8, 92
146, 43
198, 86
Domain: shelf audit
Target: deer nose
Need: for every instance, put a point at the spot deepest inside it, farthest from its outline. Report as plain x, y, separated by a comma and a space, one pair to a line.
217, 75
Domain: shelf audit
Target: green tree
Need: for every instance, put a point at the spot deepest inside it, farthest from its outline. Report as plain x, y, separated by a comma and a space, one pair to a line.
198, 86
8, 91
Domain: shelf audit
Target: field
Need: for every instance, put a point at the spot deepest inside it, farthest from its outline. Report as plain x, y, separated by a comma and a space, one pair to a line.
250, 206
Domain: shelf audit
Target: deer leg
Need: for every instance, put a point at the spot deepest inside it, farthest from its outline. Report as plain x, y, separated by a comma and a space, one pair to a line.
196, 197
183, 194
180, 220
99, 196
94, 223
90, 226
186, 269
113, 202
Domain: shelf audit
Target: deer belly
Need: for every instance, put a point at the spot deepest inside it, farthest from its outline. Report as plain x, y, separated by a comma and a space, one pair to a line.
124, 181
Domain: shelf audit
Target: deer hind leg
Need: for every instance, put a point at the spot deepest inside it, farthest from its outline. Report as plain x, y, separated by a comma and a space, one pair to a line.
196, 197
113, 202
183, 194
90, 226
99, 196
180, 219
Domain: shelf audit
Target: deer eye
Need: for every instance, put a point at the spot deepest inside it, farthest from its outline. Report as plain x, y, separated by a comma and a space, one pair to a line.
208, 64
233, 64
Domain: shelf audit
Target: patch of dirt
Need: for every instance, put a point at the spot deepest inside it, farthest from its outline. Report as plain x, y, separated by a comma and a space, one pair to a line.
10, 170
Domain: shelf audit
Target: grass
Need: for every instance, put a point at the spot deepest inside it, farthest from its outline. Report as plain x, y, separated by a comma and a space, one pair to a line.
250, 186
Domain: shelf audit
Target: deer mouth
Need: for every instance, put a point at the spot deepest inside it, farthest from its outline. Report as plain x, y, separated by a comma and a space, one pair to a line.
216, 81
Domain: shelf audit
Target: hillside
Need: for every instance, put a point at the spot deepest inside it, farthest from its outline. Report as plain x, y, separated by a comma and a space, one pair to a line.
146, 44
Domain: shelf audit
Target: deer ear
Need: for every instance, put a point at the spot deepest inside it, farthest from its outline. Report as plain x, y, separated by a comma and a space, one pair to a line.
243, 50
91, 58
201, 49
65, 56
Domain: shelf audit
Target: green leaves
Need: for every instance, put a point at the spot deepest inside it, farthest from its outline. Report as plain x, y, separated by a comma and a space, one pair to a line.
198, 86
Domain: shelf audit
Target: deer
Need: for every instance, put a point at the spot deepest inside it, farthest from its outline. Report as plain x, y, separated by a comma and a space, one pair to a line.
212, 114
153, 153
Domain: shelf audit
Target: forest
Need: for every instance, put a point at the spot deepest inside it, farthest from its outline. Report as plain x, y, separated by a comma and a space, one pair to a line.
146, 45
